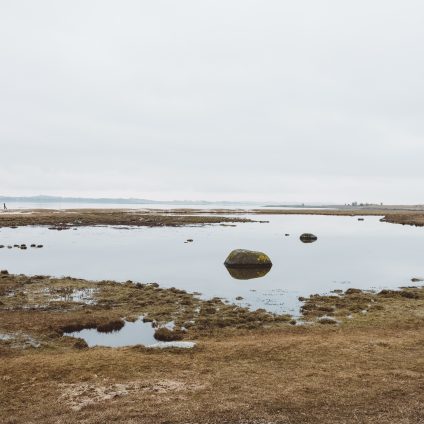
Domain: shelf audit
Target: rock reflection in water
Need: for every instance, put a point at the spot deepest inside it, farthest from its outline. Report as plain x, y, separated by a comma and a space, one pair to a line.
248, 273
307, 240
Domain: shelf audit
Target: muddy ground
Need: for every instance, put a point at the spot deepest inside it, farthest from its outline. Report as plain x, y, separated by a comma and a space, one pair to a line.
353, 357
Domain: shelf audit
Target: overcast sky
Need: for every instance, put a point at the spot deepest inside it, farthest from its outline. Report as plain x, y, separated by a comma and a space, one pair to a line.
306, 100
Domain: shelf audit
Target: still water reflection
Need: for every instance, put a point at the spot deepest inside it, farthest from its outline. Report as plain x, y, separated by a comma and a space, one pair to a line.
248, 273
348, 253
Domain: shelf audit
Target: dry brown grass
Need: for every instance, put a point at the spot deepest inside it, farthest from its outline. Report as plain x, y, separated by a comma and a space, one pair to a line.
292, 375
368, 369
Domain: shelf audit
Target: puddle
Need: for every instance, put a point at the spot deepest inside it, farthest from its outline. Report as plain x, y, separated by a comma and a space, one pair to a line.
132, 333
80, 296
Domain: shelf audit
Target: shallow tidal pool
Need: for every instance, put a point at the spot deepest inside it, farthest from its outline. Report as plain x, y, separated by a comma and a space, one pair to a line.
132, 333
365, 254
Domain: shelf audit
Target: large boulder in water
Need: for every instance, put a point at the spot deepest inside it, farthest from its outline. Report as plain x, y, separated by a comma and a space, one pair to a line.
241, 258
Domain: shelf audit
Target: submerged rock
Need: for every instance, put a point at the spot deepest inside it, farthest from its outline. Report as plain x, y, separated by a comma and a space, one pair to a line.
308, 238
241, 258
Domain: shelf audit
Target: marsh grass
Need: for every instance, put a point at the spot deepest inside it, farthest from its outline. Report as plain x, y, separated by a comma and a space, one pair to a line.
248, 366
73, 218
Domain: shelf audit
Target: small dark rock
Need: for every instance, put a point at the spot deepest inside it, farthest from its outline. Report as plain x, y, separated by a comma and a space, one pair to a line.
4, 272
308, 238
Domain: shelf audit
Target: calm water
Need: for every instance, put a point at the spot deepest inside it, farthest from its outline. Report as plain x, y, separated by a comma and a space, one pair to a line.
133, 333
349, 253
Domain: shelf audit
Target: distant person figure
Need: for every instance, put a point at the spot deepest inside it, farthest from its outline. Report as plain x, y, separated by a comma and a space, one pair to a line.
4, 206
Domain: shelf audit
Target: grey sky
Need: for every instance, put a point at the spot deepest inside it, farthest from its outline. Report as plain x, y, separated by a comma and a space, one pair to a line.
306, 100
